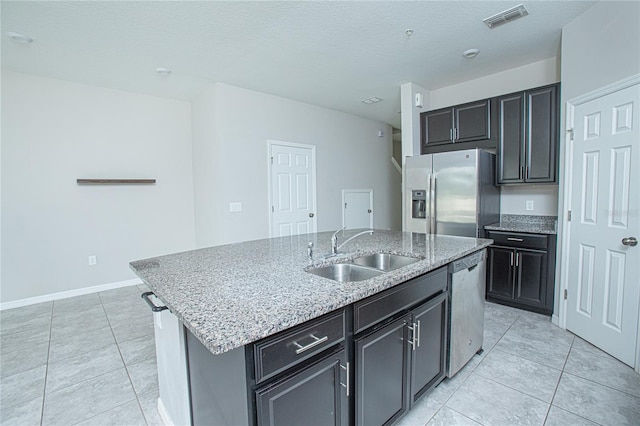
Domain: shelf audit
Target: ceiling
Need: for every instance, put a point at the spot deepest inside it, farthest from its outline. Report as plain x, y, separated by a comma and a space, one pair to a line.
332, 54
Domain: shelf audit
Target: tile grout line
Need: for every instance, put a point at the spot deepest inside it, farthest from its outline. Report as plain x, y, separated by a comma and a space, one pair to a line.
444, 404
558, 385
600, 384
46, 370
126, 368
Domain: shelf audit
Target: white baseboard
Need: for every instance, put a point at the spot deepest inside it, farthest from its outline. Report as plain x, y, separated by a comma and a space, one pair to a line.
65, 294
165, 418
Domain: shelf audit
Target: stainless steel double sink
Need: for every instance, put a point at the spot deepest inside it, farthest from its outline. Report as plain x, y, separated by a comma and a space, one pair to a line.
363, 267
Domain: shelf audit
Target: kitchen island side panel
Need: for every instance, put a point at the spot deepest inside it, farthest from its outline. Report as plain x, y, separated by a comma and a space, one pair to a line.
218, 383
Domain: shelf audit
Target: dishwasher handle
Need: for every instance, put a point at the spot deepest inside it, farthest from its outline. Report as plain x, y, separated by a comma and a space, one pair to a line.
468, 263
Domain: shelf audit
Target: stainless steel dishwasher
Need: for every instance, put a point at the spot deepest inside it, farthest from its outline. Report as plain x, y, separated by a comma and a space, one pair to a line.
467, 293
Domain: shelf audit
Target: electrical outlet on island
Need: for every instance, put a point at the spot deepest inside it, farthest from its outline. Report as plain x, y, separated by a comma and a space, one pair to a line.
529, 205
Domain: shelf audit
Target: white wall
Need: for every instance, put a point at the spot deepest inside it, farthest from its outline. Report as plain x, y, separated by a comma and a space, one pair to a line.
54, 132
599, 47
207, 172
410, 121
527, 76
545, 199
349, 154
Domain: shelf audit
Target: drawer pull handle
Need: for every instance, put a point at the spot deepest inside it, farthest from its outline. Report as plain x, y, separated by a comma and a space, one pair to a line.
316, 342
515, 239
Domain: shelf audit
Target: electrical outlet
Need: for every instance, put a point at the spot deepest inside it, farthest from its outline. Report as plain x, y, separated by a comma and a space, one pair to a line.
529, 205
93, 260
235, 207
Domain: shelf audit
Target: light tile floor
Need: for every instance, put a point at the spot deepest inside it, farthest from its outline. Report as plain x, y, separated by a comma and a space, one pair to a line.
90, 360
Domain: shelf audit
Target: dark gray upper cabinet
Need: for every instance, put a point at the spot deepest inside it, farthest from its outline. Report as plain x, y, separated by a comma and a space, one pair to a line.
471, 121
465, 123
528, 136
437, 127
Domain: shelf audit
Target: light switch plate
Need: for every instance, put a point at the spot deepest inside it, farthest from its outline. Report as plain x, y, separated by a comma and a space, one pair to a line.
235, 207
529, 205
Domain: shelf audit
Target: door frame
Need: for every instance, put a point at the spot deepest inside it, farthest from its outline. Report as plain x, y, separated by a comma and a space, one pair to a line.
370, 192
565, 187
270, 144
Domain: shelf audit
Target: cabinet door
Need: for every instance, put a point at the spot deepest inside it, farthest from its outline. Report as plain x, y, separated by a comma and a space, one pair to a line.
437, 127
500, 282
511, 136
531, 280
428, 361
542, 135
381, 360
472, 121
312, 396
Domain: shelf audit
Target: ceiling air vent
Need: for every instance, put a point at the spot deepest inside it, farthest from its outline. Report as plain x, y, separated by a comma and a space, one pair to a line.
506, 16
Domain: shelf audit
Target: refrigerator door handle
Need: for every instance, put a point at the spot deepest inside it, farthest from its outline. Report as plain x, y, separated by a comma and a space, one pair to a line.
432, 195
428, 203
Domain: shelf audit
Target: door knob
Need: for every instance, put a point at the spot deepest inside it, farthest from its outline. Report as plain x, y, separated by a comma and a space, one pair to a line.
368, 210
630, 241
310, 214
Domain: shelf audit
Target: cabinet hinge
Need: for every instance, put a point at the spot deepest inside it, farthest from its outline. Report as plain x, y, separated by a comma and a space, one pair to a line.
273, 209
569, 216
565, 294
571, 133
271, 160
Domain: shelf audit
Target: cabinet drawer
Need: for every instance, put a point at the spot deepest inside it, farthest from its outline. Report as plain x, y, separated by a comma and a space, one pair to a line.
515, 239
388, 303
275, 354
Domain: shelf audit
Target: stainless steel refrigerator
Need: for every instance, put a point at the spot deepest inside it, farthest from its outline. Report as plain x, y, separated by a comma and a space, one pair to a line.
451, 193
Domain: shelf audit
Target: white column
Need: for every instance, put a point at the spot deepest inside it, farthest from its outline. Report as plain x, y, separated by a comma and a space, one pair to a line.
410, 127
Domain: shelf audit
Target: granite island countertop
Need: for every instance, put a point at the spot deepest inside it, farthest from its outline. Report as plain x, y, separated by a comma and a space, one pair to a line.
525, 223
232, 295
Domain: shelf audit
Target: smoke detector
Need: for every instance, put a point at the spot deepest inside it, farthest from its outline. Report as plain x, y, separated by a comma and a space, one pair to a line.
506, 16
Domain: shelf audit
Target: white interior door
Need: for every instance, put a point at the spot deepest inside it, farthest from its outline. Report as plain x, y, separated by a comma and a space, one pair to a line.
292, 181
357, 208
603, 264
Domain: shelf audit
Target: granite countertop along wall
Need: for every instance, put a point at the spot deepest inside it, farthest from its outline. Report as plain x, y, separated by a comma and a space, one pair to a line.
232, 295
525, 223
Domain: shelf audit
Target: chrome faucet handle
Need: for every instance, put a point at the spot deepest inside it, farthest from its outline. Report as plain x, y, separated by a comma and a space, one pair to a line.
334, 240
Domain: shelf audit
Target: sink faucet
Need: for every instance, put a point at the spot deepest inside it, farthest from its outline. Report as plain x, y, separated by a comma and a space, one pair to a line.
334, 239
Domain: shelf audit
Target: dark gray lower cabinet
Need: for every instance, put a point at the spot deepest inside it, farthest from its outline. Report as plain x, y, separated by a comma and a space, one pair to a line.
381, 374
365, 364
521, 270
428, 357
399, 362
313, 396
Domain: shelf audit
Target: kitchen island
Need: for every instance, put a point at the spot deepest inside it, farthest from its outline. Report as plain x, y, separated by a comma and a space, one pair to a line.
235, 297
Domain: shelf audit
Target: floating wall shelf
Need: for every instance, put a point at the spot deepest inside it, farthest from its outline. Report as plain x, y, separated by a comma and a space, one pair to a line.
115, 181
